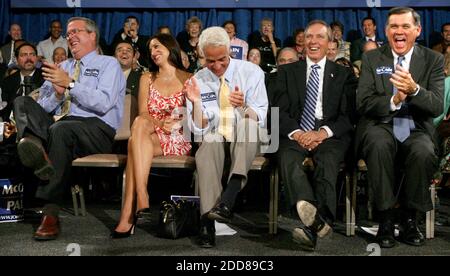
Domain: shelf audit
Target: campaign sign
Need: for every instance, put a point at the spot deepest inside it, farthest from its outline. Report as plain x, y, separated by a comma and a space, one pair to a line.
11, 201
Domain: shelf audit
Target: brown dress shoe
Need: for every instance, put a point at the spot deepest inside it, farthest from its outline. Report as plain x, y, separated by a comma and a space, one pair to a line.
48, 230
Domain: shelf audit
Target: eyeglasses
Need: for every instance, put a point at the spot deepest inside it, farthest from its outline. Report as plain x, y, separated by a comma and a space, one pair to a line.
74, 32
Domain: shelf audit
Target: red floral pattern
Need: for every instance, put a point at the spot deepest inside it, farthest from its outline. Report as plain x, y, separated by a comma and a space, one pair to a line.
160, 107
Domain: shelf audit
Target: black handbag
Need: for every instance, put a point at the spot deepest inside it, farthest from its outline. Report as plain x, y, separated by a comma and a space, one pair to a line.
178, 219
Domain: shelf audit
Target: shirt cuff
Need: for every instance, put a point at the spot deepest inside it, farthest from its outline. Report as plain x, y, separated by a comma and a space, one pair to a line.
290, 135
416, 92
328, 130
393, 106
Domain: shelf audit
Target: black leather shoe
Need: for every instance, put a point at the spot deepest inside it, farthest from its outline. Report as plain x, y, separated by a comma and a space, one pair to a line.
32, 154
311, 218
410, 233
221, 213
305, 237
207, 236
385, 235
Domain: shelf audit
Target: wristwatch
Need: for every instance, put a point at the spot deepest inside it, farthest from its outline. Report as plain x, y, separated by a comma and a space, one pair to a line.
71, 85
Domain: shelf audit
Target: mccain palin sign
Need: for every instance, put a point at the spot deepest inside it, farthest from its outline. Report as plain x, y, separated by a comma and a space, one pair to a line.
11, 201
162, 4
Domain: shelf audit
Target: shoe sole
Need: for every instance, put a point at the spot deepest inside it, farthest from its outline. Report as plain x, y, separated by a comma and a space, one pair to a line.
216, 217
299, 237
33, 156
307, 213
45, 238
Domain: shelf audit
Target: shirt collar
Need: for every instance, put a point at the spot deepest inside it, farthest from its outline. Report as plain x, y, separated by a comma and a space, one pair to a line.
87, 58
22, 76
373, 38
321, 63
407, 55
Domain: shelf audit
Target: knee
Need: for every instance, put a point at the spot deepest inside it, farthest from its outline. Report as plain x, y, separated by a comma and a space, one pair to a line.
379, 143
424, 154
58, 130
142, 124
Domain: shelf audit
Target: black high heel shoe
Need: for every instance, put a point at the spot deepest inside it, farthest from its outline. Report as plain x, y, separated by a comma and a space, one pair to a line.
144, 213
121, 235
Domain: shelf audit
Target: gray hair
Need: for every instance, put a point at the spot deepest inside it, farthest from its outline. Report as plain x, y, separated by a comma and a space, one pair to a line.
213, 36
321, 22
403, 10
91, 27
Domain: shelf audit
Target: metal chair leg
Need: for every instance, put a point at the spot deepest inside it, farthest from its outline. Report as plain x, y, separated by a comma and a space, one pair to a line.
430, 216
74, 200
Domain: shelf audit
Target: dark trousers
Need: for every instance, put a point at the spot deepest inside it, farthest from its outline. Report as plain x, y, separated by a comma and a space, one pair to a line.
65, 140
386, 158
322, 190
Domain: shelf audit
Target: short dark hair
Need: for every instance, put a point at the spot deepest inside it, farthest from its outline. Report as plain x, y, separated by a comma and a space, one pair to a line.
230, 22
298, 31
403, 10
131, 17
369, 18
174, 52
337, 24
17, 50
126, 42
443, 26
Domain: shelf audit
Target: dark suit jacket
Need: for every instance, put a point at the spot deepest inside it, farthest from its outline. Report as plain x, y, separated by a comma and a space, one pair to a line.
357, 48
291, 93
6, 52
133, 82
10, 87
375, 90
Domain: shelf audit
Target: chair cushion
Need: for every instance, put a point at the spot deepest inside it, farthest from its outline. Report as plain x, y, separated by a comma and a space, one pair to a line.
173, 161
101, 160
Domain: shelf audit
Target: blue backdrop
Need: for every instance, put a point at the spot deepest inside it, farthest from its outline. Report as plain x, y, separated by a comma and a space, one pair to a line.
35, 21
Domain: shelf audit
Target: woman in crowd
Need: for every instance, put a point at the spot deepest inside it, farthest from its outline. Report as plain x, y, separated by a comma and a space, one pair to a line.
157, 130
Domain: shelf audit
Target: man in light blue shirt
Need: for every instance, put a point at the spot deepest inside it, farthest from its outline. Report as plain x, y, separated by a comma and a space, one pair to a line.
227, 107
79, 109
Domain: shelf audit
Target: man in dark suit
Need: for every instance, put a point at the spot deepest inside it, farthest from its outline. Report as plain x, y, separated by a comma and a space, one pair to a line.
13, 86
131, 34
369, 27
400, 91
7, 50
314, 122
125, 54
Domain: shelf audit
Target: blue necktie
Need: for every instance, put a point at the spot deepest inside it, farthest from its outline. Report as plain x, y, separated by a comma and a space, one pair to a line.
402, 122
308, 120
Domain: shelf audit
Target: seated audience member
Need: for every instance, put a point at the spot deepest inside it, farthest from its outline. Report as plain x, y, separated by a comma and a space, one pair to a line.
130, 33
444, 46
125, 53
333, 49
400, 91
87, 92
13, 86
254, 56
59, 55
267, 44
7, 50
369, 28
156, 131
369, 45
228, 121
299, 37
189, 44
47, 47
314, 122
239, 47
338, 34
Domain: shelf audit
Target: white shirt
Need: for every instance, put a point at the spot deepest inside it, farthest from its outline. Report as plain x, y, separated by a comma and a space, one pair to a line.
46, 47
248, 77
405, 64
319, 102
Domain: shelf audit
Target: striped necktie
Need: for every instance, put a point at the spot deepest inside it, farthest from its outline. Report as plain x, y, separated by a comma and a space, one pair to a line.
65, 109
308, 120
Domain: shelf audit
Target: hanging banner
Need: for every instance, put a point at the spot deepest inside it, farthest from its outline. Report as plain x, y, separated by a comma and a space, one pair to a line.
198, 4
